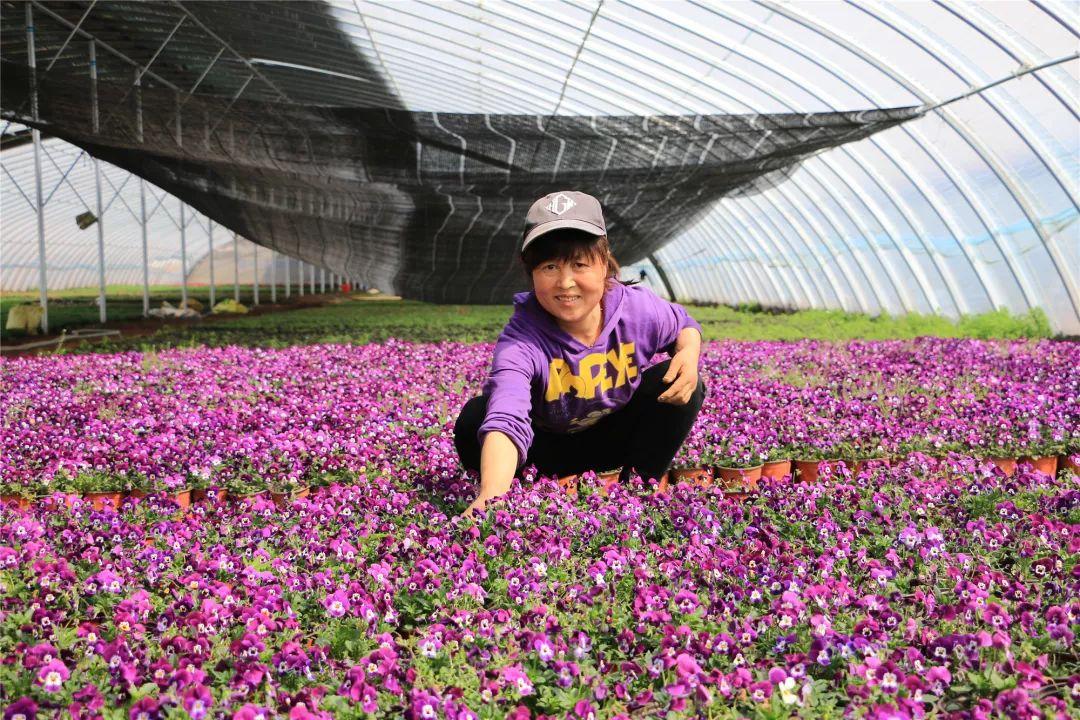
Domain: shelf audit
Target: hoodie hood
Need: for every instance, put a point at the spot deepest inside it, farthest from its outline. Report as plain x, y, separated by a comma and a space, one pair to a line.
528, 313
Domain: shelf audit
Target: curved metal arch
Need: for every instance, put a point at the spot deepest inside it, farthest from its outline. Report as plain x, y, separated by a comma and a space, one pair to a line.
943, 214
902, 211
803, 270
776, 238
763, 254
843, 266
742, 283
786, 299
987, 154
892, 233
736, 277
961, 131
809, 244
1006, 46
754, 263
872, 248
898, 288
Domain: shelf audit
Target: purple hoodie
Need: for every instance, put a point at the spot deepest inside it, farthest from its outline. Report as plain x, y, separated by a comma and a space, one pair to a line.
541, 374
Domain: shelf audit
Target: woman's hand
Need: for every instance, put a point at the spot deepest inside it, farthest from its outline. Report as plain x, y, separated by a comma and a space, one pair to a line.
683, 375
498, 460
683, 371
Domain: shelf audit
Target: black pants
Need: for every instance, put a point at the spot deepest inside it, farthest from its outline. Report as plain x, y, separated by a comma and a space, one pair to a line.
644, 435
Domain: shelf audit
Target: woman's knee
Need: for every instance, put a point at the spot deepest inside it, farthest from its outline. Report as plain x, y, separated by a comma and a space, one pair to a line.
467, 425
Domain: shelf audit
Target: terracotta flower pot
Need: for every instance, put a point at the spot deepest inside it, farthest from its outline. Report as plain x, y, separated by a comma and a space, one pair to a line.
138, 494
858, 465
699, 476
738, 479
1007, 464
102, 500
283, 499
1045, 464
569, 484
810, 471
776, 469
1066, 462
663, 486
15, 502
215, 496
238, 498
607, 480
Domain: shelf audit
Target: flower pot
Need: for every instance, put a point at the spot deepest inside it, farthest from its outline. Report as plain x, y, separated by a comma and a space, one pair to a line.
776, 469
663, 486
738, 479
810, 471
283, 499
607, 480
1045, 464
239, 498
859, 464
698, 476
181, 498
1069, 463
102, 500
15, 502
215, 496
569, 484
1006, 464
57, 500
138, 494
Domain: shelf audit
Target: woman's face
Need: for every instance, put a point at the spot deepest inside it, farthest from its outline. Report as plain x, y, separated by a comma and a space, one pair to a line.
570, 290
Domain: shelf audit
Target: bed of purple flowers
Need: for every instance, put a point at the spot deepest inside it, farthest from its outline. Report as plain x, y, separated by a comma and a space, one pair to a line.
935, 586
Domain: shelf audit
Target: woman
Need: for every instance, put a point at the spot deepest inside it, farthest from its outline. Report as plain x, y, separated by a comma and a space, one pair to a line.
570, 387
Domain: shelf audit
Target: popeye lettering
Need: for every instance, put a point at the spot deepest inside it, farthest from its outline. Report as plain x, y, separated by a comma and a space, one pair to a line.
592, 374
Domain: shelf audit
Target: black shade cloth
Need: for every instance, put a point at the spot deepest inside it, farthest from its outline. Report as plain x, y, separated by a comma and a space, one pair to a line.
428, 205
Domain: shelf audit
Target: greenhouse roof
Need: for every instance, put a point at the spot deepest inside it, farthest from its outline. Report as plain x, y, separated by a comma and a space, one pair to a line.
401, 142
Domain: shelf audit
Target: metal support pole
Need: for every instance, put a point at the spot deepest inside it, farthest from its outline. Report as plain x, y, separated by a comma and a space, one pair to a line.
183, 221
102, 314
36, 136
183, 257
273, 277
142, 200
288, 272
145, 250
210, 238
255, 261
236, 267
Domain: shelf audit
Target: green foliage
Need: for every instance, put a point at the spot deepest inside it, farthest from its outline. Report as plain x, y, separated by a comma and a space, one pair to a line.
354, 319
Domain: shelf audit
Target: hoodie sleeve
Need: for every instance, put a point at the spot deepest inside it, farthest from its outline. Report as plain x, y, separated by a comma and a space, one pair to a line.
509, 392
671, 319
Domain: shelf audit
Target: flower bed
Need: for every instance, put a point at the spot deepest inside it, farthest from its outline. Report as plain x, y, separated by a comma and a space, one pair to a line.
924, 587
253, 419
904, 586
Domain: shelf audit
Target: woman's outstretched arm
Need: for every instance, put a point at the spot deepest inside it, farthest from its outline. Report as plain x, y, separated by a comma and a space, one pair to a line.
498, 460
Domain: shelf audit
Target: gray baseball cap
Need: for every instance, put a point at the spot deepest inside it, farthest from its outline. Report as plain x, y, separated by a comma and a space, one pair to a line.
564, 209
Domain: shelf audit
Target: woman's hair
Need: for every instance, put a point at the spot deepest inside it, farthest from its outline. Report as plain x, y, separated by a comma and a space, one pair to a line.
569, 245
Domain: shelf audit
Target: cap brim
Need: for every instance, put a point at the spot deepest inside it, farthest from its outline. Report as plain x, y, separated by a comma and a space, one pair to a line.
562, 225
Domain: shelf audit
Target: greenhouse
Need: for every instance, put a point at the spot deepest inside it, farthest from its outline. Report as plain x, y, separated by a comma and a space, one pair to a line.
555, 359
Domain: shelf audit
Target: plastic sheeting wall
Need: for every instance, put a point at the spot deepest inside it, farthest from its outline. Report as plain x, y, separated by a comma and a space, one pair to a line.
970, 208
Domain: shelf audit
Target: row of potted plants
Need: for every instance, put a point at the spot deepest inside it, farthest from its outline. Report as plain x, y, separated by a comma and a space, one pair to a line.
103, 490
740, 475
737, 474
